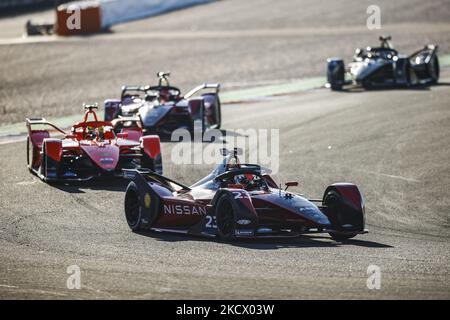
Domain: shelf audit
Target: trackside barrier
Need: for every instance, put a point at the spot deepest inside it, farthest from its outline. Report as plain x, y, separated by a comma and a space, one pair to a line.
81, 17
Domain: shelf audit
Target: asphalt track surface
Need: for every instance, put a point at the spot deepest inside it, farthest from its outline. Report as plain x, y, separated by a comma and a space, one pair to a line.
392, 143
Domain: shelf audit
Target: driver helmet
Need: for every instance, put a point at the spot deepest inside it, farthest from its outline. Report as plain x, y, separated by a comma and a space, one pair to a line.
164, 95
90, 132
241, 179
100, 133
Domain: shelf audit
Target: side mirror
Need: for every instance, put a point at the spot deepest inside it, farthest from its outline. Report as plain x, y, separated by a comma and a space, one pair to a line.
291, 184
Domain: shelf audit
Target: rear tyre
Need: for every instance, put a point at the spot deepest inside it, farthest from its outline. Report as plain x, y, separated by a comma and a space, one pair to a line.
30, 159
333, 202
218, 114
336, 87
133, 207
335, 74
43, 166
433, 70
226, 218
366, 85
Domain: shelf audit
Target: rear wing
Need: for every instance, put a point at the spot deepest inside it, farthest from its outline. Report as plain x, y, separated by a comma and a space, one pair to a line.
134, 88
121, 119
201, 87
30, 122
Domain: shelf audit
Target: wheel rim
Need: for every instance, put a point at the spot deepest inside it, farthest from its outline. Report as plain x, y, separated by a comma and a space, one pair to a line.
332, 202
225, 218
132, 208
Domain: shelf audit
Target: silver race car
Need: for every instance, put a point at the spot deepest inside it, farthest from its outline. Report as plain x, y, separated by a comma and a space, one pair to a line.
383, 66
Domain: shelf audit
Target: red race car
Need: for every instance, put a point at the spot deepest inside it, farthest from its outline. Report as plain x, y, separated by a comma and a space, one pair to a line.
91, 149
240, 201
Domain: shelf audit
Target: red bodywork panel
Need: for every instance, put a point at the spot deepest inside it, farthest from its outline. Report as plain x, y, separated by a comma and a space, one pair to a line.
132, 133
53, 148
151, 146
105, 156
37, 138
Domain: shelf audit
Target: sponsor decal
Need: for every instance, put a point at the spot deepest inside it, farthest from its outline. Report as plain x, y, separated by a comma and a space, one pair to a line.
244, 222
147, 200
244, 232
107, 160
184, 209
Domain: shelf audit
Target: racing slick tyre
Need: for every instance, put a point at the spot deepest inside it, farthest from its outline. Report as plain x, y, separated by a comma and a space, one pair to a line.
366, 85
133, 207
335, 73
433, 70
410, 77
30, 159
43, 166
219, 115
198, 127
225, 212
333, 202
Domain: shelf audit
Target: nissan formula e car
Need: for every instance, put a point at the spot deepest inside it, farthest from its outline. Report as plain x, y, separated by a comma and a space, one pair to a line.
383, 66
90, 149
240, 201
162, 109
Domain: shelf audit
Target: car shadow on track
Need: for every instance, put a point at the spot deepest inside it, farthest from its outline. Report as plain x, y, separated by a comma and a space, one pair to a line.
307, 241
420, 87
357, 89
117, 185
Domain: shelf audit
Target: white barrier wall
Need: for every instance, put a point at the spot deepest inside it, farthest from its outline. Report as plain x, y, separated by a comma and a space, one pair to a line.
118, 11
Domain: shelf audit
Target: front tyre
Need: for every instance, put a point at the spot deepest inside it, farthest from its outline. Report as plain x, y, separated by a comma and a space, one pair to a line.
335, 73
133, 207
226, 218
334, 203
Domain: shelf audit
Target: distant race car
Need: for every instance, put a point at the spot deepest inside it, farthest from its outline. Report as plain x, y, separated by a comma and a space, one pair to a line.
162, 109
383, 67
240, 201
91, 149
